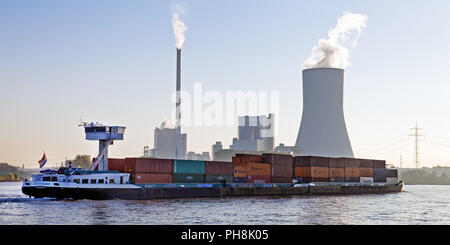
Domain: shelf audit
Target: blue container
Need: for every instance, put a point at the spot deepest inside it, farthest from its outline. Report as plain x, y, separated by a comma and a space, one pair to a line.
379, 175
188, 167
240, 180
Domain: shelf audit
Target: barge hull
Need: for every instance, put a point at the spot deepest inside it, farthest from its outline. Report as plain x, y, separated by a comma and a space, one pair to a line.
212, 192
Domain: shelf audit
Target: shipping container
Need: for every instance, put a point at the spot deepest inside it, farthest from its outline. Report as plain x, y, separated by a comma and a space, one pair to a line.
258, 169
392, 180
240, 172
240, 180
365, 172
379, 174
188, 167
130, 165
365, 163
249, 158
313, 174
352, 174
151, 165
218, 178
218, 168
379, 164
366, 179
306, 161
258, 179
280, 180
337, 172
299, 172
282, 159
116, 164
188, 178
337, 163
142, 178
351, 162
391, 173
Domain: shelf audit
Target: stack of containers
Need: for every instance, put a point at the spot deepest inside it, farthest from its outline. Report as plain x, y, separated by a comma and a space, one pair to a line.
116, 164
188, 171
216, 172
282, 167
240, 162
391, 176
366, 171
258, 173
337, 169
149, 170
379, 171
312, 169
351, 170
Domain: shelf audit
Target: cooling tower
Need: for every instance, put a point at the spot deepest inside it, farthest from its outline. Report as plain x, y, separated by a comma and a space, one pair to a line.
322, 129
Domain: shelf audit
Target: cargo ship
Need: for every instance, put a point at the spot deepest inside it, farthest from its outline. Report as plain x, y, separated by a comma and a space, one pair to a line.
246, 175
149, 178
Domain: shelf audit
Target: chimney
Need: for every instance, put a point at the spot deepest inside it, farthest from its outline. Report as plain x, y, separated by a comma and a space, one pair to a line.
322, 130
178, 96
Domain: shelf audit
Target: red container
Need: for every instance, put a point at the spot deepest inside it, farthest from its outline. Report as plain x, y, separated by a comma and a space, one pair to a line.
218, 168
258, 179
337, 163
142, 178
379, 164
311, 161
153, 165
351, 162
366, 163
148, 165
116, 164
248, 158
281, 165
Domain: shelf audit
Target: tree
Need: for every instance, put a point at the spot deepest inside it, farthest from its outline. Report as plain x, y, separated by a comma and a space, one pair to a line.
80, 161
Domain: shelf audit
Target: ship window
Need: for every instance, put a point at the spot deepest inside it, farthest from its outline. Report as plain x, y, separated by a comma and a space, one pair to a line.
111, 181
76, 180
46, 178
85, 181
93, 181
100, 129
54, 179
100, 181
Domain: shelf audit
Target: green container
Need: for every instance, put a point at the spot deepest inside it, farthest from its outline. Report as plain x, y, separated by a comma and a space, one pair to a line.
188, 167
188, 178
218, 178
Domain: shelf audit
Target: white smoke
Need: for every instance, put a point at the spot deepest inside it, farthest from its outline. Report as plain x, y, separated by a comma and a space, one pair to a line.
333, 52
178, 26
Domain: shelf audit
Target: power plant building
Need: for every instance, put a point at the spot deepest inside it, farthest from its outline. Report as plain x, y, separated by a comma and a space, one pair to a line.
255, 133
323, 131
169, 143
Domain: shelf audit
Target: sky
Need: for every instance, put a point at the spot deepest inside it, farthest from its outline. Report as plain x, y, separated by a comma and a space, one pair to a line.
113, 62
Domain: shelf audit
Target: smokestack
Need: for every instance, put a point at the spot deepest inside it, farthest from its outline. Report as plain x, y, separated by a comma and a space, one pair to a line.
322, 130
178, 99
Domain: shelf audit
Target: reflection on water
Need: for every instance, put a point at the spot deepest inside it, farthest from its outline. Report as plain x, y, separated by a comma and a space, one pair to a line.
417, 205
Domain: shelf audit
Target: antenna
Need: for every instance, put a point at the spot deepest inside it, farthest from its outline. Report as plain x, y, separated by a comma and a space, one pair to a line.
416, 136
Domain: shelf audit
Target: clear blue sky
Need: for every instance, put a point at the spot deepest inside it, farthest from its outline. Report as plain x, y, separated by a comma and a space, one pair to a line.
114, 62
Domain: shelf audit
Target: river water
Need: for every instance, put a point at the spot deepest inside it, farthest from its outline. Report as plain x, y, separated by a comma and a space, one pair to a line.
416, 205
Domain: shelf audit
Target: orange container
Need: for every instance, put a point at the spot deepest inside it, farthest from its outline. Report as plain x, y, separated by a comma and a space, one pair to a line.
351, 172
319, 172
337, 172
240, 172
258, 169
299, 172
365, 172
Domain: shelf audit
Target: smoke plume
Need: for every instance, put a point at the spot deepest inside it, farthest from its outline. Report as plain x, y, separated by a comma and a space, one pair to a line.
178, 26
333, 52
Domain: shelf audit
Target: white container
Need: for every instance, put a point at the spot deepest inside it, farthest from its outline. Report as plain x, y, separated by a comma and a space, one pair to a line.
366, 179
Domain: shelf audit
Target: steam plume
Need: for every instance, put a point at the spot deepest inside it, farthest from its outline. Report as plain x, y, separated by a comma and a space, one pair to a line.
178, 27
333, 52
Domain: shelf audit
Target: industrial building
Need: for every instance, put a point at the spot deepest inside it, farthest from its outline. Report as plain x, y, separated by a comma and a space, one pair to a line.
255, 133
169, 143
